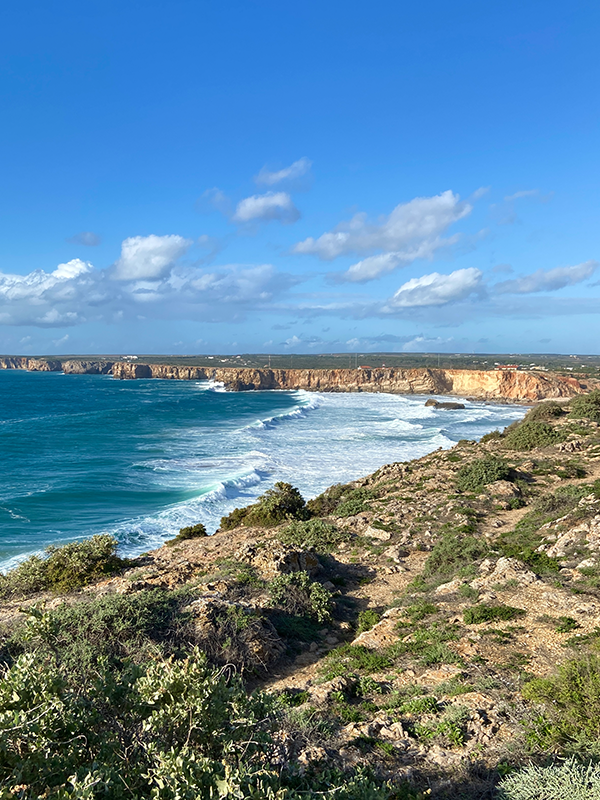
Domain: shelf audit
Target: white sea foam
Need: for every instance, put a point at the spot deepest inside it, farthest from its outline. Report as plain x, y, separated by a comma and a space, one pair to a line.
325, 439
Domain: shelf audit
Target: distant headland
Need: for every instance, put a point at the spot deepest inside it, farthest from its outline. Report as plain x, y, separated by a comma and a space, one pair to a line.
502, 382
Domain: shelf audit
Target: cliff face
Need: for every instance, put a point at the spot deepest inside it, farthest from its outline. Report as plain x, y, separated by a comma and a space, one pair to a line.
520, 387
483, 385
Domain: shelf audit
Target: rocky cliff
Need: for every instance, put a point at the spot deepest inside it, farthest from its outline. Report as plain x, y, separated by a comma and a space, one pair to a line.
519, 387
483, 385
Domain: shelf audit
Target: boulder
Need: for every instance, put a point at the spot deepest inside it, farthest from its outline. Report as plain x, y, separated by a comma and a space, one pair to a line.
278, 559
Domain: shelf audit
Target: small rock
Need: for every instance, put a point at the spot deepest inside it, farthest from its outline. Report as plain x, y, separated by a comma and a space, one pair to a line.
378, 533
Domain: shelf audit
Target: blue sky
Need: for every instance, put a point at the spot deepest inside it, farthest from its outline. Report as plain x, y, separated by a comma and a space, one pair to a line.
191, 177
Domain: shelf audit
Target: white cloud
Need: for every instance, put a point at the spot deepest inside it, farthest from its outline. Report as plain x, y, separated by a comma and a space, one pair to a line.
421, 344
436, 289
214, 199
236, 284
72, 269
548, 280
519, 195
411, 231
296, 170
87, 238
374, 266
267, 207
149, 257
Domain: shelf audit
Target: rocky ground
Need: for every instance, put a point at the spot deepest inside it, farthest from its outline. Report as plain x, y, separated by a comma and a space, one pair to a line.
446, 588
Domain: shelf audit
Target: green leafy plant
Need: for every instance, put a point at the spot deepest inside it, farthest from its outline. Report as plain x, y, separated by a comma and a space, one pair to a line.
367, 619
65, 568
350, 658
571, 700
586, 406
452, 552
474, 476
283, 502
478, 614
313, 533
530, 434
297, 594
197, 531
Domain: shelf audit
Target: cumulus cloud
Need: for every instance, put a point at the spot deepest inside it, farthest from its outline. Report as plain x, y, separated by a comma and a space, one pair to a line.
436, 289
412, 230
149, 257
296, 170
36, 298
266, 207
548, 280
87, 238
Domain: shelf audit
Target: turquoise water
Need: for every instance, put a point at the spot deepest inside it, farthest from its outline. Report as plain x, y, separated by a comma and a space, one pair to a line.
82, 454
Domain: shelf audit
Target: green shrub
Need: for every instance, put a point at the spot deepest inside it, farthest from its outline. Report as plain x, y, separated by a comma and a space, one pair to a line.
171, 730
569, 780
313, 533
65, 568
453, 552
296, 594
350, 658
283, 502
354, 502
113, 629
429, 643
586, 406
532, 434
197, 531
474, 476
546, 410
571, 699
325, 504
492, 436
478, 614
367, 619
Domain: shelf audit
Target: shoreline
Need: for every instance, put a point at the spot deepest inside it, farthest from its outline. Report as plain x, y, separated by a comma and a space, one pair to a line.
501, 386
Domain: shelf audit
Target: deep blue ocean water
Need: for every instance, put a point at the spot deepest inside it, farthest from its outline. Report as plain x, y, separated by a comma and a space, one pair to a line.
82, 454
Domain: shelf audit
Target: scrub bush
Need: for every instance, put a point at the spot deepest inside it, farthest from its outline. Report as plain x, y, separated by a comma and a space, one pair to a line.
452, 553
476, 615
474, 476
197, 531
64, 569
546, 411
586, 406
313, 533
283, 502
296, 594
569, 780
528, 435
571, 701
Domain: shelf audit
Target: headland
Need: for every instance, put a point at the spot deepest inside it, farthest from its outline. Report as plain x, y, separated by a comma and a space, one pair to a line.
504, 385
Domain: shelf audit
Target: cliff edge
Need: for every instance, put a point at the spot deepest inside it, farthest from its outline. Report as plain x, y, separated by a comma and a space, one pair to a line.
510, 385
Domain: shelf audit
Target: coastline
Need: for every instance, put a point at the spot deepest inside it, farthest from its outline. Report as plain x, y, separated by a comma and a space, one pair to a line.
506, 386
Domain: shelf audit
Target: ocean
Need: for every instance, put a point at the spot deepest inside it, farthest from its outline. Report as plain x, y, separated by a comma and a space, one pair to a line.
86, 454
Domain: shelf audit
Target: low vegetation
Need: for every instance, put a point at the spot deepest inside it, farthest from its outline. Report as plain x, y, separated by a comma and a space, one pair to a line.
313, 534
530, 434
64, 569
197, 531
280, 504
479, 473
149, 686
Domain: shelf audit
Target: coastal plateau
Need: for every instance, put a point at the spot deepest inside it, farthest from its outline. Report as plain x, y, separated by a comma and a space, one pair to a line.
504, 385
